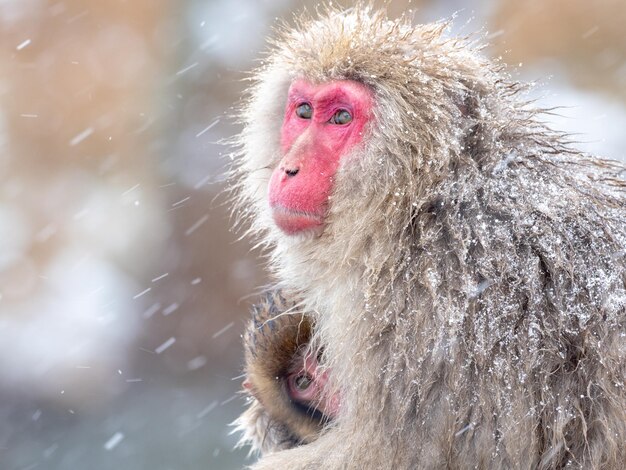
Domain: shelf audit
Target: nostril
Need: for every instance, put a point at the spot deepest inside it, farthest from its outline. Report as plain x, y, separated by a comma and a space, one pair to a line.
291, 171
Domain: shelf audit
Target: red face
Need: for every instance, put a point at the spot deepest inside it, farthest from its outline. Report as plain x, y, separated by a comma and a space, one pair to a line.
322, 124
310, 386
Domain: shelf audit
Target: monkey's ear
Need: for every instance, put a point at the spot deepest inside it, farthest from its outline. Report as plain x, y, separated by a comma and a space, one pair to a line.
467, 99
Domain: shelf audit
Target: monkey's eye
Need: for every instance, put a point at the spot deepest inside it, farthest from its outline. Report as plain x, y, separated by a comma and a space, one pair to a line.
341, 117
302, 382
304, 111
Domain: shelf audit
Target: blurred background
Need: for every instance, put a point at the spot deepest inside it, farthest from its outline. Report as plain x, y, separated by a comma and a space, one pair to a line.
123, 289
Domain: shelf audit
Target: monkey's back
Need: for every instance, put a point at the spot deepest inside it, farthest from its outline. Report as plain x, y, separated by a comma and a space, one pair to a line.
526, 259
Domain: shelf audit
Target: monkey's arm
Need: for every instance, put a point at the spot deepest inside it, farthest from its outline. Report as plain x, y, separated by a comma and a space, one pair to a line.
328, 452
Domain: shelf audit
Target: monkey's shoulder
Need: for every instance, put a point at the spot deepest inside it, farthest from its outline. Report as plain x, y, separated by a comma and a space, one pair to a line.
575, 199
536, 231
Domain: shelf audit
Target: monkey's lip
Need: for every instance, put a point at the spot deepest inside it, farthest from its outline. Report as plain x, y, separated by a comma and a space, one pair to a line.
294, 221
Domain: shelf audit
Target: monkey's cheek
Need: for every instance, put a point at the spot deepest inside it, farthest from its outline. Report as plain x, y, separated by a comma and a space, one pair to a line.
330, 405
296, 223
330, 397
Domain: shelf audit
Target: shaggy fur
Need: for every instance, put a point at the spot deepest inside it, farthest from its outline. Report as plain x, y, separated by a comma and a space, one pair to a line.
277, 338
469, 285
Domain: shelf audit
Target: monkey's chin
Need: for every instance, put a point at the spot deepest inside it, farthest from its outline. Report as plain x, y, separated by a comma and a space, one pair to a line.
294, 222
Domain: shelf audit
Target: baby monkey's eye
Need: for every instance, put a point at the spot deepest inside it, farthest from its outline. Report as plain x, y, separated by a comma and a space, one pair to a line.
302, 382
304, 111
341, 117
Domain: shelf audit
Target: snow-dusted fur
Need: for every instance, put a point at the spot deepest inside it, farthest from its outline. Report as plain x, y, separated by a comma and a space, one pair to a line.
469, 285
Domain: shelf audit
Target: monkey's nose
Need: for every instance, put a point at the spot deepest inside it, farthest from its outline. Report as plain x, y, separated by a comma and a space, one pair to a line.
291, 171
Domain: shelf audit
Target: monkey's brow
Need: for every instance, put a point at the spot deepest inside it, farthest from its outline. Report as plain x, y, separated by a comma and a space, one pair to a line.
335, 98
329, 98
297, 97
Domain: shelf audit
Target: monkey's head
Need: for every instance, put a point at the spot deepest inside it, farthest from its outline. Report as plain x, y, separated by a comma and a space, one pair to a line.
291, 400
352, 120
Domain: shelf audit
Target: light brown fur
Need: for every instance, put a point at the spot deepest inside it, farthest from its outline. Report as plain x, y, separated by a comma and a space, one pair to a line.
276, 341
469, 285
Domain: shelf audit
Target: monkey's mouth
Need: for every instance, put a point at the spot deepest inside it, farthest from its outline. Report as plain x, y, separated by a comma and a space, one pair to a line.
293, 221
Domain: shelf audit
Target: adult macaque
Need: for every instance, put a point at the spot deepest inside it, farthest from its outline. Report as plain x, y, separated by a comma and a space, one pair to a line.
287, 387
463, 265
